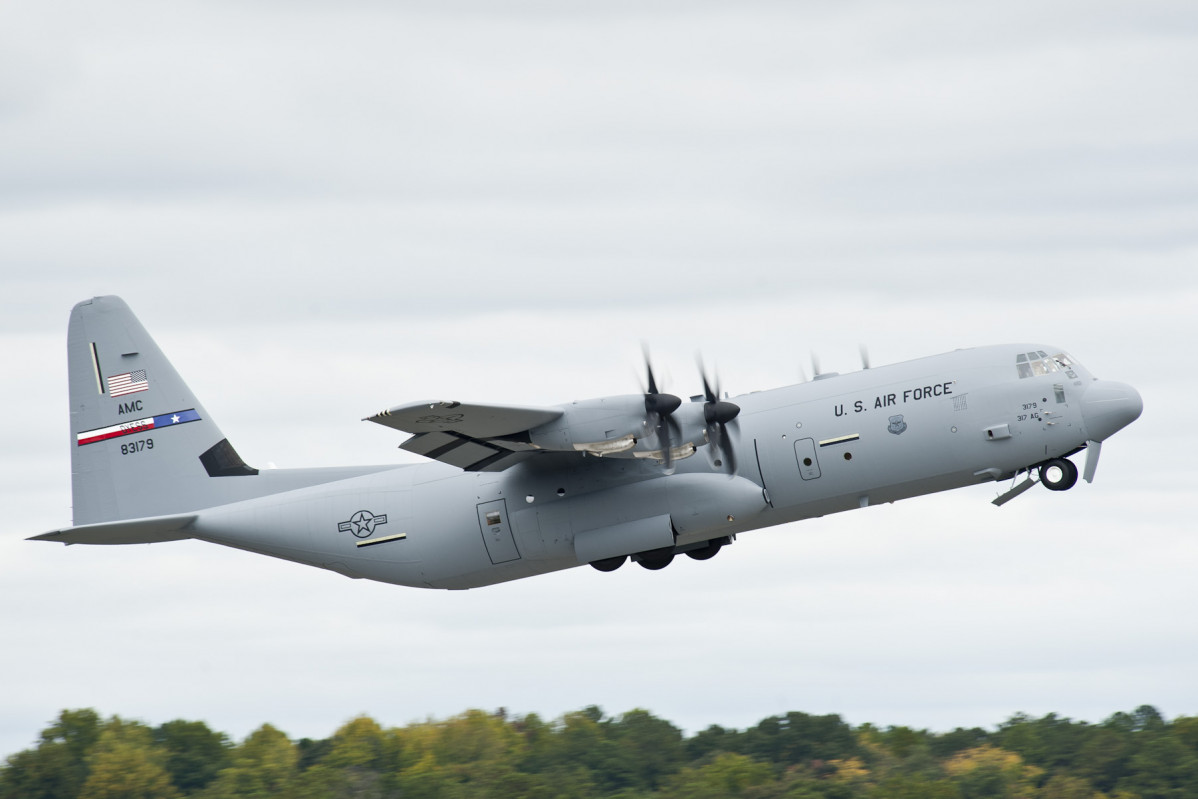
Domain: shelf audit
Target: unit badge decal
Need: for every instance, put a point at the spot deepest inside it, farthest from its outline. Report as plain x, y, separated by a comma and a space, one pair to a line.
362, 523
897, 425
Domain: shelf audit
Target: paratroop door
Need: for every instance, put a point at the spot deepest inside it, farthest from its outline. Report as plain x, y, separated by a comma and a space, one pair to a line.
497, 533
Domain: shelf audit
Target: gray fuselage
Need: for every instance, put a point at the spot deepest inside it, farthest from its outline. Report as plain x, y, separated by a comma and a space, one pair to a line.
839, 442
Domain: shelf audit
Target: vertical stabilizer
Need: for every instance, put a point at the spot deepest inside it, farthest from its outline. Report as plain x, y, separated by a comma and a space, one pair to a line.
141, 443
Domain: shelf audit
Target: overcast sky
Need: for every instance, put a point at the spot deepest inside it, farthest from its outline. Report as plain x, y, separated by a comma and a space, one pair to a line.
322, 209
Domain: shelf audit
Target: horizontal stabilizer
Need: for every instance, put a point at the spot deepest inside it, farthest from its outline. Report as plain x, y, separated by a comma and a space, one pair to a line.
149, 530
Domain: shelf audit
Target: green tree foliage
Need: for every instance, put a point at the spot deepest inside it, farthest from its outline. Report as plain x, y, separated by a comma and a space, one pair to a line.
58, 766
587, 754
798, 738
123, 764
264, 766
194, 754
713, 739
727, 775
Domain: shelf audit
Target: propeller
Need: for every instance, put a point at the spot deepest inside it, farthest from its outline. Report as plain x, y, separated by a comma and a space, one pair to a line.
658, 410
719, 414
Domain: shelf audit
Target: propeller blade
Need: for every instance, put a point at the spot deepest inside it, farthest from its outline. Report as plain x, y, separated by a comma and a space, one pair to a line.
727, 449
718, 413
710, 393
665, 442
1093, 450
652, 389
670, 431
658, 407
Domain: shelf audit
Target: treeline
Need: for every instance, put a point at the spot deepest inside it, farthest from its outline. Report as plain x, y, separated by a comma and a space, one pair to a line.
632, 756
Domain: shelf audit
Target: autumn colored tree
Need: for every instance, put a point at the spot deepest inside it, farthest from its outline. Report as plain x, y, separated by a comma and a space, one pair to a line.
123, 764
57, 767
262, 767
987, 772
587, 755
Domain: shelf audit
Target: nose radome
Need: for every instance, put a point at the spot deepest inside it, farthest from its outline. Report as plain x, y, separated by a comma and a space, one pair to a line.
1108, 407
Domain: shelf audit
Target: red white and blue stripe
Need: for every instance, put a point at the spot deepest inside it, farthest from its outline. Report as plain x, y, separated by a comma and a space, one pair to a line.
137, 426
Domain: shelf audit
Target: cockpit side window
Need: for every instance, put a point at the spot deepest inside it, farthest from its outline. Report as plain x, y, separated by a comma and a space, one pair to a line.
1066, 364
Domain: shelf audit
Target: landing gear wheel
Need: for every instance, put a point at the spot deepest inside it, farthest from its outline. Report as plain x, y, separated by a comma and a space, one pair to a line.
656, 559
1058, 474
609, 564
707, 552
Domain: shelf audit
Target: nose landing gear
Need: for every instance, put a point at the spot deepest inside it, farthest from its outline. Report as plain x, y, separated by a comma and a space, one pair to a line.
1058, 474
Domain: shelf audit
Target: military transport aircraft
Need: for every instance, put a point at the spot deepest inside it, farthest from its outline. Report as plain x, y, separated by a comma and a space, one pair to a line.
512, 491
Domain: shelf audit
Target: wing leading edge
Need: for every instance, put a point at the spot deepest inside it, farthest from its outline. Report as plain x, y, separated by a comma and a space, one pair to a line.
476, 438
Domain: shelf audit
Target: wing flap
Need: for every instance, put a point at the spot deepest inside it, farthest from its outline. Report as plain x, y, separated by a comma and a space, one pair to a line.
464, 454
427, 443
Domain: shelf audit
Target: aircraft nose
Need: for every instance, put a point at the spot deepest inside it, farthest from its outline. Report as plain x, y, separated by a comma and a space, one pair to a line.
1108, 407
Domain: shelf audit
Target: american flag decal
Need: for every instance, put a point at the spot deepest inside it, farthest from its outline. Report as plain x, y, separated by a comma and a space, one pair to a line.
128, 383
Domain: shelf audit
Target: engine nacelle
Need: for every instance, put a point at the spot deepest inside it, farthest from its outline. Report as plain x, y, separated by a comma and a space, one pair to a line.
603, 426
619, 426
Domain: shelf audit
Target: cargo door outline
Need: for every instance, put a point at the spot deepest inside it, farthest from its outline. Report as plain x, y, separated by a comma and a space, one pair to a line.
806, 458
497, 532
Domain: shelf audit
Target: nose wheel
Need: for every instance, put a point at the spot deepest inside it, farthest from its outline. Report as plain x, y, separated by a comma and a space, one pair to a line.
1058, 474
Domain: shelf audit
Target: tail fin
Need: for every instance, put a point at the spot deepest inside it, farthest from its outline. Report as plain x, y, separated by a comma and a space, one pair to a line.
141, 443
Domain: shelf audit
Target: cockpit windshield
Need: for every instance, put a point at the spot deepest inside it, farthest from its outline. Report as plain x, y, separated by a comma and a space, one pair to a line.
1032, 364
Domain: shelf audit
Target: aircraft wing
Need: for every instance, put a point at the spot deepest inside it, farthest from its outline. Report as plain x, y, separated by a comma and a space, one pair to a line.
476, 438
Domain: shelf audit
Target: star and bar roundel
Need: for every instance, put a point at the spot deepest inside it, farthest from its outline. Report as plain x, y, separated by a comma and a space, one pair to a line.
363, 523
